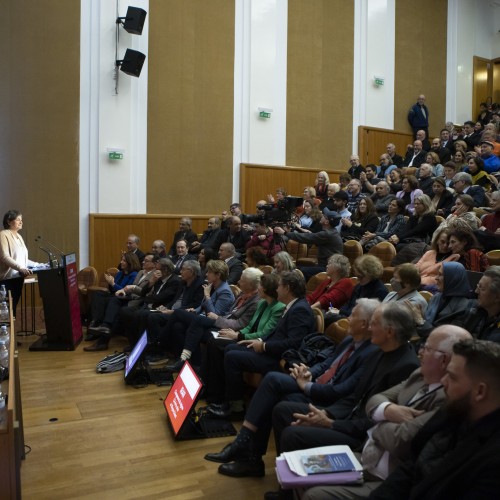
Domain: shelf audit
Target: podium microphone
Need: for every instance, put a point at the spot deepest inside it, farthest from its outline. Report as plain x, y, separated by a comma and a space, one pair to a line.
52, 260
58, 251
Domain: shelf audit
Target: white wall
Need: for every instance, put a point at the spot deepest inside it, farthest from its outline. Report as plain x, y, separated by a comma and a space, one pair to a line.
259, 81
110, 118
374, 55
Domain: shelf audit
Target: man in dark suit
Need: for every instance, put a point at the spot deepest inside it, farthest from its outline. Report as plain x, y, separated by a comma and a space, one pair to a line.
399, 413
329, 201
470, 136
234, 234
446, 141
227, 253
333, 378
415, 155
161, 289
443, 153
185, 233
189, 296
457, 453
462, 183
209, 236
391, 326
263, 355
181, 256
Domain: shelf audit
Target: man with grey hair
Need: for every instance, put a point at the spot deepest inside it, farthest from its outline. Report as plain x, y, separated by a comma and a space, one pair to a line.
394, 417
457, 453
382, 198
425, 180
356, 168
391, 328
418, 116
324, 382
415, 155
185, 233
158, 248
462, 183
209, 236
396, 159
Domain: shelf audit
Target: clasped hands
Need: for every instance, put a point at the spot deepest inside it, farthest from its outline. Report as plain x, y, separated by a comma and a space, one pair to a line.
314, 418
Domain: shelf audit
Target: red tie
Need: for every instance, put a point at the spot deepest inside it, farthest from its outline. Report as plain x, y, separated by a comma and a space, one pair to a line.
330, 373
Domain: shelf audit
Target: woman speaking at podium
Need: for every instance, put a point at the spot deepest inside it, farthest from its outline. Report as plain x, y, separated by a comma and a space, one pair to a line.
14, 260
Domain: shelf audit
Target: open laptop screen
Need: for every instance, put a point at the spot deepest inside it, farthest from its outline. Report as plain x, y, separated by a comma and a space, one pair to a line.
135, 355
182, 397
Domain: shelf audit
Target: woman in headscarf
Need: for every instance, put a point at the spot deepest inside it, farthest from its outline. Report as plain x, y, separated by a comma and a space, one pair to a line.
449, 303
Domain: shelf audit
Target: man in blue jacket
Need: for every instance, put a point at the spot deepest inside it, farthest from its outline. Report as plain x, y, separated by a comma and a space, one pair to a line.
418, 116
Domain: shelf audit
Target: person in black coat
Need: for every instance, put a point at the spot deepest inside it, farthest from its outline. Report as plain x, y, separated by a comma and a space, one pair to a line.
185, 233
443, 200
457, 453
334, 378
391, 328
418, 116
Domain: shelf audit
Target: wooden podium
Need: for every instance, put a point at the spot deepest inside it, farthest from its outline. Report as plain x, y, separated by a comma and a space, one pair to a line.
59, 291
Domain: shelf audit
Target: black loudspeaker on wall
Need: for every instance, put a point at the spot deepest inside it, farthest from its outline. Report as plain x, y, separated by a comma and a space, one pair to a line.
132, 62
134, 21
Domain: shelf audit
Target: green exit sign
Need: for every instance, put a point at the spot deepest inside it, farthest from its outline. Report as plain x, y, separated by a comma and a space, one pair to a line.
264, 114
115, 156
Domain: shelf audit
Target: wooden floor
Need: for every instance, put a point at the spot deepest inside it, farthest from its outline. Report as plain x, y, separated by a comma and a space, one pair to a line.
111, 440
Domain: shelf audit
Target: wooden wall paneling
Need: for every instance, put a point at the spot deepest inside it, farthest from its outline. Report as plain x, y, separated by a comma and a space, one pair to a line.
257, 181
420, 61
190, 105
482, 83
319, 83
372, 142
108, 233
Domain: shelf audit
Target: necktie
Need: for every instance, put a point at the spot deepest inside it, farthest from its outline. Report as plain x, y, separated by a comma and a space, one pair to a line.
336, 365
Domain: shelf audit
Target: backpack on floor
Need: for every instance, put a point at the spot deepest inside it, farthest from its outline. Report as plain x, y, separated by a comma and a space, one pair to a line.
112, 363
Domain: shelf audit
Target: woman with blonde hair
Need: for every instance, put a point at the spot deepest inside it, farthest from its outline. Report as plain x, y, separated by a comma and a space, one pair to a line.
321, 185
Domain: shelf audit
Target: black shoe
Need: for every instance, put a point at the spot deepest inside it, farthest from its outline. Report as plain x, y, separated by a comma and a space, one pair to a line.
230, 452
176, 365
91, 335
219, 410
251, 467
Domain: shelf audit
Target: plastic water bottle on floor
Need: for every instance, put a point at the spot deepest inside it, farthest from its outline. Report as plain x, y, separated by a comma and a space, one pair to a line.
4, 312
4, 355
3, 293
3, 410
4, 335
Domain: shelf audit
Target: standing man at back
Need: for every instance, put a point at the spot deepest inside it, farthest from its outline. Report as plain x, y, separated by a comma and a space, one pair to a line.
418, 116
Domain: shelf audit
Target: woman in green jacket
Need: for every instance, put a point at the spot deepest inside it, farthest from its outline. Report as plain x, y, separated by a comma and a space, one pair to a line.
264, 320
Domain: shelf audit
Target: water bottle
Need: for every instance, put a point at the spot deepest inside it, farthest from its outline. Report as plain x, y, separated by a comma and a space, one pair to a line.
4, 312
3, 410
3, 293
4, 355
4, 335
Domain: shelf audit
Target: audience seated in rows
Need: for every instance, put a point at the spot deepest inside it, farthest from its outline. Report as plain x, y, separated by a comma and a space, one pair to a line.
395, 416
322, 384
267, 315
198, 328
263, 355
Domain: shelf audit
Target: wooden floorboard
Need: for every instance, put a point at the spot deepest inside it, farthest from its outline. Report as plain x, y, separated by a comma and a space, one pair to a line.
110, 440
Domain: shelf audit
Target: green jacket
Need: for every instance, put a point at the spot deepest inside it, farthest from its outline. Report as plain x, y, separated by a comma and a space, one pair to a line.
270, 318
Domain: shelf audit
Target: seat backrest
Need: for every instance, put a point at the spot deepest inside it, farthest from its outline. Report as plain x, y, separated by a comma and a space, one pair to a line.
266, 269
113, 271
338, 331
352, 250
385, 251
320, 319
314, 281
426, 295
236, 290
493, 257
87, 277
439, 219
